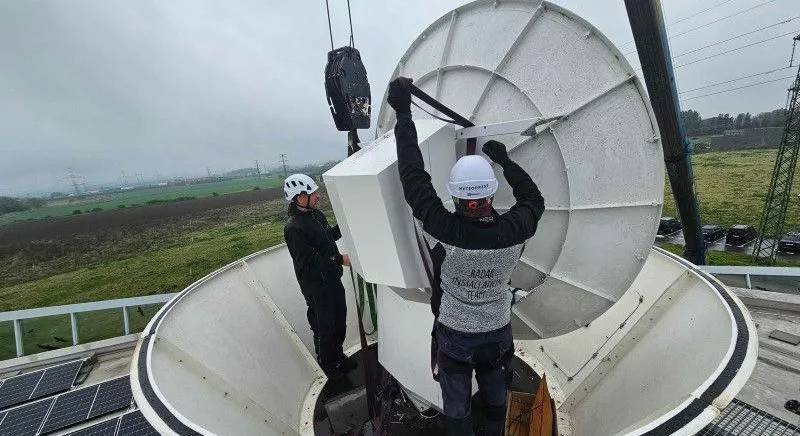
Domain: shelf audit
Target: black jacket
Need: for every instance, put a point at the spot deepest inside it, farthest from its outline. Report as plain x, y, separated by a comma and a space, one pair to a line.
472, 258
312, 245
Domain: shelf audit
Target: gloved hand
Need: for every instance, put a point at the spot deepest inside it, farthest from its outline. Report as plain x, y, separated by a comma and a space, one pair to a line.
400, 95
496, 151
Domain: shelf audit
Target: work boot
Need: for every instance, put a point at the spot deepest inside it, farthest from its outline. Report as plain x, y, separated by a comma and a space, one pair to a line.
347, 364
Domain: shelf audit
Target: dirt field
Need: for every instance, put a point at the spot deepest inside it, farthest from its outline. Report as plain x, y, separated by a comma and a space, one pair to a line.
35, 249
27, 231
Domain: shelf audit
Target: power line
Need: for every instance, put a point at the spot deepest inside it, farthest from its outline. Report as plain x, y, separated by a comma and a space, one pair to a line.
724, 18
736, 37
737, 88
735, 49
283, 161
686, 18
729, 39
639, 69
715, 21
698, 13
711, 85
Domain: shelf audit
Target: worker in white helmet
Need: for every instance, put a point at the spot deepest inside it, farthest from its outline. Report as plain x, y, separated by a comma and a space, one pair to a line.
318, 267
473, 253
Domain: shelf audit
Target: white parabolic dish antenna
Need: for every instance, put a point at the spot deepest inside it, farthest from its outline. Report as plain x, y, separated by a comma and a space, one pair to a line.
599, 164
633, 340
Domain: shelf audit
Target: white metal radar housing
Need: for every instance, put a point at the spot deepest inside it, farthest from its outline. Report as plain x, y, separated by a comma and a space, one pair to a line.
233, 353
599, 165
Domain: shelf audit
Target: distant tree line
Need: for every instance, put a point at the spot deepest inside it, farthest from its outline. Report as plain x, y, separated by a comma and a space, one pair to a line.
698, 126
11, 204
315, 170
241, 172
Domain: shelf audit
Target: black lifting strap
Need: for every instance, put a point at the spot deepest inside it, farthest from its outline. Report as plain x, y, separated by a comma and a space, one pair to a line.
455, 116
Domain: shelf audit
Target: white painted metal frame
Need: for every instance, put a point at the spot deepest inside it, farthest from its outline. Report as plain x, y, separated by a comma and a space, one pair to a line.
583, 367
602, 358
749, 271
594, 156
269, 278
525, 127
575, 363
17, 316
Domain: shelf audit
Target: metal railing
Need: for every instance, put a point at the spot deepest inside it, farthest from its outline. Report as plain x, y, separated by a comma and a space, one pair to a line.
749, 271
17, 316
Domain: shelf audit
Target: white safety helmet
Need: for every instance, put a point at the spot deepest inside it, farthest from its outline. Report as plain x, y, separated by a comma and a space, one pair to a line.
472, 177
297, 184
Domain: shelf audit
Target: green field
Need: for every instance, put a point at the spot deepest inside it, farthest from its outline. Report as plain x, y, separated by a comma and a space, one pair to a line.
138, 197
43, 334
731, 258
151, 272
731, 187
170, 267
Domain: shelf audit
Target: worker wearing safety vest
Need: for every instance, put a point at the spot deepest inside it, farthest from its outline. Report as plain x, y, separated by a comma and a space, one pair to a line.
318, 267
473, 253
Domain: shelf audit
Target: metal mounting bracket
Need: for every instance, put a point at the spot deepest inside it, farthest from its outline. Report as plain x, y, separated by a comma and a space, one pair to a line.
525, 127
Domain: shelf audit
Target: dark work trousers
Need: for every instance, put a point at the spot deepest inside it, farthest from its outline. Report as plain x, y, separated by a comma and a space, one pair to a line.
488, 354
327, 316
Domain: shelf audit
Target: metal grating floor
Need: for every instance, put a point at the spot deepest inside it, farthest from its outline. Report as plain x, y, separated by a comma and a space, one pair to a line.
740, 418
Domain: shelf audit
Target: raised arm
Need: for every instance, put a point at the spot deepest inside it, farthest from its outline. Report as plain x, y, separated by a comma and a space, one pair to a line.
525, 214
417, 187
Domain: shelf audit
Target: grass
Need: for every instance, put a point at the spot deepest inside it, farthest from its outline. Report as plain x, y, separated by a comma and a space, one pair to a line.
731, 187
191, 252
108, 201
147, 273
53, 332
728, 257
150, 272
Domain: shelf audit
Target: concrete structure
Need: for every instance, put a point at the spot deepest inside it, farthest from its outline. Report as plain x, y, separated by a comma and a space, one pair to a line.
746, 139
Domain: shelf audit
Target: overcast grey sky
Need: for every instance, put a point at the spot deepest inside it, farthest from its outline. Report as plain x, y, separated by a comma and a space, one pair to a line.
175, 86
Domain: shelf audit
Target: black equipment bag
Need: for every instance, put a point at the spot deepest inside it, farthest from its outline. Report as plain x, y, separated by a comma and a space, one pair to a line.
347, 89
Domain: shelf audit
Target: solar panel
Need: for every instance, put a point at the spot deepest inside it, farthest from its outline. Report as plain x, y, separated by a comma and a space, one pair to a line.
134, 424
38, 384
740, 418
105, 428
18, 389
25, 420
113, 395
70, 408
57, 379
